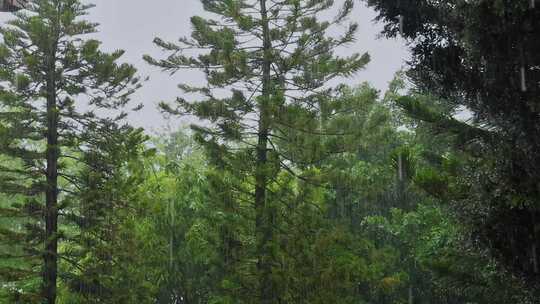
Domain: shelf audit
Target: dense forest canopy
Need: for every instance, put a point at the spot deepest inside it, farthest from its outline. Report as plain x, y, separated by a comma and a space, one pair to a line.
290, 186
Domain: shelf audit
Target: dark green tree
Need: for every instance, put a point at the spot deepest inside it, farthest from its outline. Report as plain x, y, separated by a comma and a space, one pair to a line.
54, 82
277, 60
482, 56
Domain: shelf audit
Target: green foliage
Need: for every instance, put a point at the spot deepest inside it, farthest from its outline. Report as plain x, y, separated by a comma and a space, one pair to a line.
288, 189
481, 56
64, 172
276, 60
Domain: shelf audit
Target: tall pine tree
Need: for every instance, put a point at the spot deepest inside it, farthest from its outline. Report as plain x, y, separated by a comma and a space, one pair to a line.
277, 60
53, 81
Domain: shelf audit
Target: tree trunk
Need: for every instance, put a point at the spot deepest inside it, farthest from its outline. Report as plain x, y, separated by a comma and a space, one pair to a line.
264, 219
51, 194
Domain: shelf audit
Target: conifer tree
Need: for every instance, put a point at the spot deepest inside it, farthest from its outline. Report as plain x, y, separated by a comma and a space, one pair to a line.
277, 61
53, 84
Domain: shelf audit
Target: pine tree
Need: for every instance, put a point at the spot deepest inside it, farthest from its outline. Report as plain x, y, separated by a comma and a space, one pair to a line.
277, 60
53, 83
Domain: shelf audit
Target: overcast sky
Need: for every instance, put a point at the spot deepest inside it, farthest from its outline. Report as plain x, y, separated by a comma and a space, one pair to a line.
132, 24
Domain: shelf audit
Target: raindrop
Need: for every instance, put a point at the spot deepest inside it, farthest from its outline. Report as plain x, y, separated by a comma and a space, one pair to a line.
400, 167
171, 240
535, 258
401, 22
523, 80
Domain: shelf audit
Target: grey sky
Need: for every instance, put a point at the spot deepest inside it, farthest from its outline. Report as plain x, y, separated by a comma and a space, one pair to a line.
132, 24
